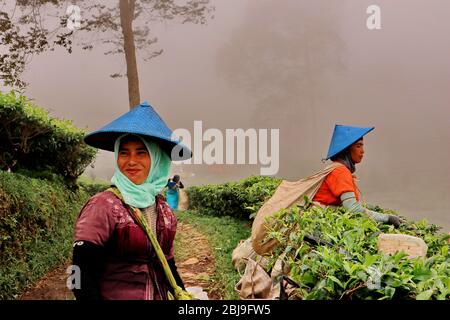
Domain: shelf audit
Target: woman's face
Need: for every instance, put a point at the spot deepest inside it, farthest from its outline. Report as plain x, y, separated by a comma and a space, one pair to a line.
134, 161
357, 151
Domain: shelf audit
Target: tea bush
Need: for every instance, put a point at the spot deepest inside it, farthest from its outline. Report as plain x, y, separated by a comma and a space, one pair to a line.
30, 139
236, 199
36, 228
347, 265
92, 186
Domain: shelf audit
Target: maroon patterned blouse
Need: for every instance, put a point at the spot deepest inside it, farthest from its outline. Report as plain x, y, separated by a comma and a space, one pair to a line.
132, 269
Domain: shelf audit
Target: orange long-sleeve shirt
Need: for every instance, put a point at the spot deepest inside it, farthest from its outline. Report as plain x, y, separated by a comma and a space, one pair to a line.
337, 182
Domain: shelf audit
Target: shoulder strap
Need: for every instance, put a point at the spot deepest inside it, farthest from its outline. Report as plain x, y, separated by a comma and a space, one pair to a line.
136, 214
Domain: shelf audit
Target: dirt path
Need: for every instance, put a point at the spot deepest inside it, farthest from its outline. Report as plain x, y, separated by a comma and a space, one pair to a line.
194, 260
51, 287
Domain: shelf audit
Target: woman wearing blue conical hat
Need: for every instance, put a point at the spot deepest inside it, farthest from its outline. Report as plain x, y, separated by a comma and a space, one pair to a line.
173, 192
111, 245
338, 186
332, 186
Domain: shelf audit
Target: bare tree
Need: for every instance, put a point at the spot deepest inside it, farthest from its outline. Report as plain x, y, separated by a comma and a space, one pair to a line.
123, 26
126, 21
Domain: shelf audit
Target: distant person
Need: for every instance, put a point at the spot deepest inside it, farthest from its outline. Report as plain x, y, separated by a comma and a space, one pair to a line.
173, 192
111, 248
339, 187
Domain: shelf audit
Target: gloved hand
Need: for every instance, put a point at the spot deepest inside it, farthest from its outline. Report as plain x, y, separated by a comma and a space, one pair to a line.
394, 220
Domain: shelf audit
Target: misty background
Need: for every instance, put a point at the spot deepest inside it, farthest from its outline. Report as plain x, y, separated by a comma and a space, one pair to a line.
299, 66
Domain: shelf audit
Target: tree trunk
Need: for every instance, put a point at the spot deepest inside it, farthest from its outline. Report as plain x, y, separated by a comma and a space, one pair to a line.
126, 21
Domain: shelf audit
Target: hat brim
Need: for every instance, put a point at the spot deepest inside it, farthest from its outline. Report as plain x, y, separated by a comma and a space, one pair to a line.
357, 138
105, 140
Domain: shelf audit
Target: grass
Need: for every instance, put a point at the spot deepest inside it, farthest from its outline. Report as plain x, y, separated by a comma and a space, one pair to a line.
223, 234
182, 245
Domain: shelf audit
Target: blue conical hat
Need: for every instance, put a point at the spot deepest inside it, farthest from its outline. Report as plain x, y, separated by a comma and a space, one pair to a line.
345, 136
141, 120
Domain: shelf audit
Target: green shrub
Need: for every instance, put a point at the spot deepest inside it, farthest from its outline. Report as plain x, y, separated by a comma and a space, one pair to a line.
36, 228
30, 139
349, 266
237, 199
92, 187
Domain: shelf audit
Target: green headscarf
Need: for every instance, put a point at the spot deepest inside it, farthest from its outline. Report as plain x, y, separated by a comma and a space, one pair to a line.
143, 195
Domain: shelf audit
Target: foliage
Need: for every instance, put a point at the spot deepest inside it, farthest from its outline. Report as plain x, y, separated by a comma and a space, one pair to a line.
31, 140
237, 199
19, 45
92, 187
36, 228
223, 233
26, 30
347, 265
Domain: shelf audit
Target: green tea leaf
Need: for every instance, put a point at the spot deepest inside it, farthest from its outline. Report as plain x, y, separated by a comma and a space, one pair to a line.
425, 295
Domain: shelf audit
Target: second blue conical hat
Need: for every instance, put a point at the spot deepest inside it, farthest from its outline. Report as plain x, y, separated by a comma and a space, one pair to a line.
345, 136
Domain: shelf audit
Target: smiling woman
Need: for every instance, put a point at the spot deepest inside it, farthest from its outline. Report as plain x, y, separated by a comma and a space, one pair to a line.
115, 246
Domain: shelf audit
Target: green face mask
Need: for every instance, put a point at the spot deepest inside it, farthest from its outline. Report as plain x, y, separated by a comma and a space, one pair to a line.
143, 195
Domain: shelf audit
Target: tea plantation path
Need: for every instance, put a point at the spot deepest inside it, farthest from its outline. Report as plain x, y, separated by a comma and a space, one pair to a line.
194, 258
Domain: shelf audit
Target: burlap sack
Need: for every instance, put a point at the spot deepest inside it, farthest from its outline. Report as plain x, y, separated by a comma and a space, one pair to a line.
243, 251
256, 283
287, 194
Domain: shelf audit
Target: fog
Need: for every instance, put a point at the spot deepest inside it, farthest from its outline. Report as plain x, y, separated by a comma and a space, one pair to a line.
297, 66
